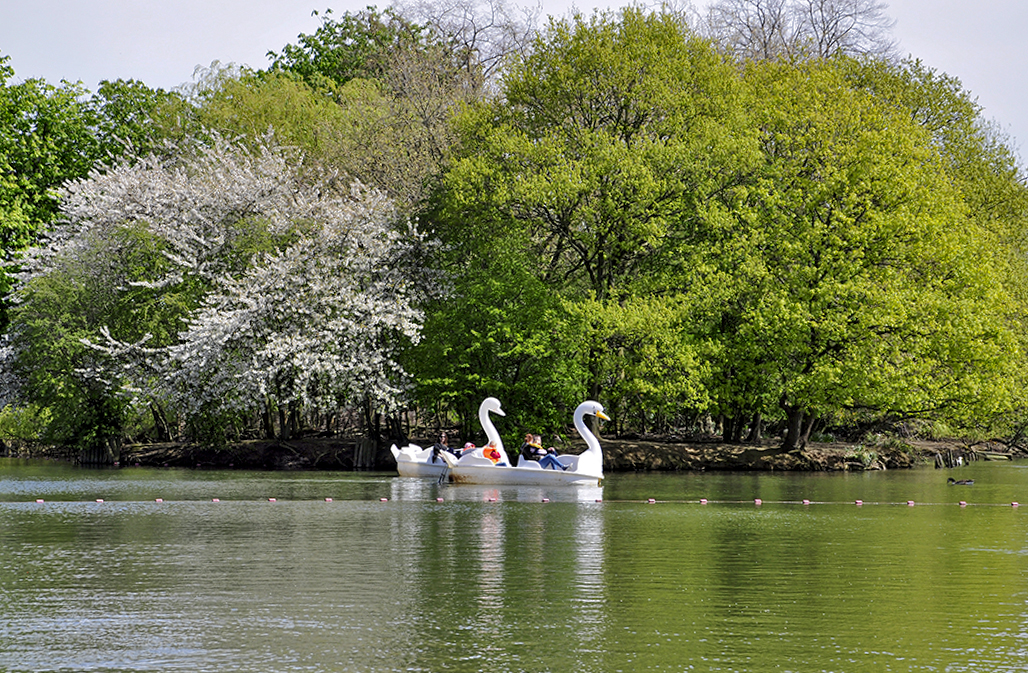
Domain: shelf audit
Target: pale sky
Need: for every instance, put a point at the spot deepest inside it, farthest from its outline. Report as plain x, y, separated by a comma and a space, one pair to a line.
161, 42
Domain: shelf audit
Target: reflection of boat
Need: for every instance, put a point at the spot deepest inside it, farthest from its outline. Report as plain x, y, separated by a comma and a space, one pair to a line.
586, 468
414, 461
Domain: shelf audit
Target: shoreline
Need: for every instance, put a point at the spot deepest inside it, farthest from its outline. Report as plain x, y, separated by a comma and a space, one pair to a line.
620, 455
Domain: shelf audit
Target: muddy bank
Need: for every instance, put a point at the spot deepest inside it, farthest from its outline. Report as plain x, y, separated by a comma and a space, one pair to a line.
620, 455
635, 455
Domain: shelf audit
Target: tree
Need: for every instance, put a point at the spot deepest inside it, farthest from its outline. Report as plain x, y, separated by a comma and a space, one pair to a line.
796, 29
293, 293
45, 138
397, 84
485, 32
654, 370
52, 134
854, 282
358, 45
984, 169
753, 29
131, 118
847, 28
610, 136
496, 331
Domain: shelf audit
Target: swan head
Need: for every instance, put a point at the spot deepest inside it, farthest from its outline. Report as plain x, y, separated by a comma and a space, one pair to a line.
591, 407
491, 404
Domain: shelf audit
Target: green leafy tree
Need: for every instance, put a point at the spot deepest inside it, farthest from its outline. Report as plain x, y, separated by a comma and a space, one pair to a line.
654, 370
991, 184
610, 137
46, 138
55, 314
130, 117
397, 84
53, 134
854, 278
497, 331
358, 45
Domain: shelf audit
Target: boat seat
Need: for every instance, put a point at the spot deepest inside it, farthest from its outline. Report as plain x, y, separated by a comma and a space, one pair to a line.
471, 460
524, 462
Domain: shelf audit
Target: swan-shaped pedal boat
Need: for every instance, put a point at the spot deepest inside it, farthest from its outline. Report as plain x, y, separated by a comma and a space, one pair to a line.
585, 468
477, 468
414, 461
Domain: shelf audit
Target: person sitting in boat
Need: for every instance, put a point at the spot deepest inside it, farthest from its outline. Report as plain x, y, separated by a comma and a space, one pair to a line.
442, 445
533, 449
492, 453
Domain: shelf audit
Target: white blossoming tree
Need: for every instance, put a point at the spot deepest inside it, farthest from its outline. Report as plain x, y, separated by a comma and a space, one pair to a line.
234, 283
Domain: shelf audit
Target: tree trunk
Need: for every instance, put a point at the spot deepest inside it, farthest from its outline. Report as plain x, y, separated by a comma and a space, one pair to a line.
160, 423
268, 421
807, 430
283, 424
794, 431
731, 429
396, 432
294, 420
755, 430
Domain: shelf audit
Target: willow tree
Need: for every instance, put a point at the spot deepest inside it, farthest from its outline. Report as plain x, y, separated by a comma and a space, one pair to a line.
396, 83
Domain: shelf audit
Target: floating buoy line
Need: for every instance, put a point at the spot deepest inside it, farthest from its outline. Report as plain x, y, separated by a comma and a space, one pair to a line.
756, 502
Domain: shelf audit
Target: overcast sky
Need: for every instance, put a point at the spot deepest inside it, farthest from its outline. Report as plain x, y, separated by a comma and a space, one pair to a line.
161, 42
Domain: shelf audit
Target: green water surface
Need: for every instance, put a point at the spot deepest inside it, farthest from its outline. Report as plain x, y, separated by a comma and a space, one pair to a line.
370, 572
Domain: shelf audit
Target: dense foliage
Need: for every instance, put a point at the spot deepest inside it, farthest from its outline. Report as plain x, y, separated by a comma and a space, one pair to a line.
695, 227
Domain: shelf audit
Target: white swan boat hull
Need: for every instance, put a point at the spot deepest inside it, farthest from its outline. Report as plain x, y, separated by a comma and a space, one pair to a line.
519, 476
413, 461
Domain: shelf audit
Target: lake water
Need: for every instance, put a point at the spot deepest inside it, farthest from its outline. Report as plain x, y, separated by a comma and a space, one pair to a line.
368, 572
